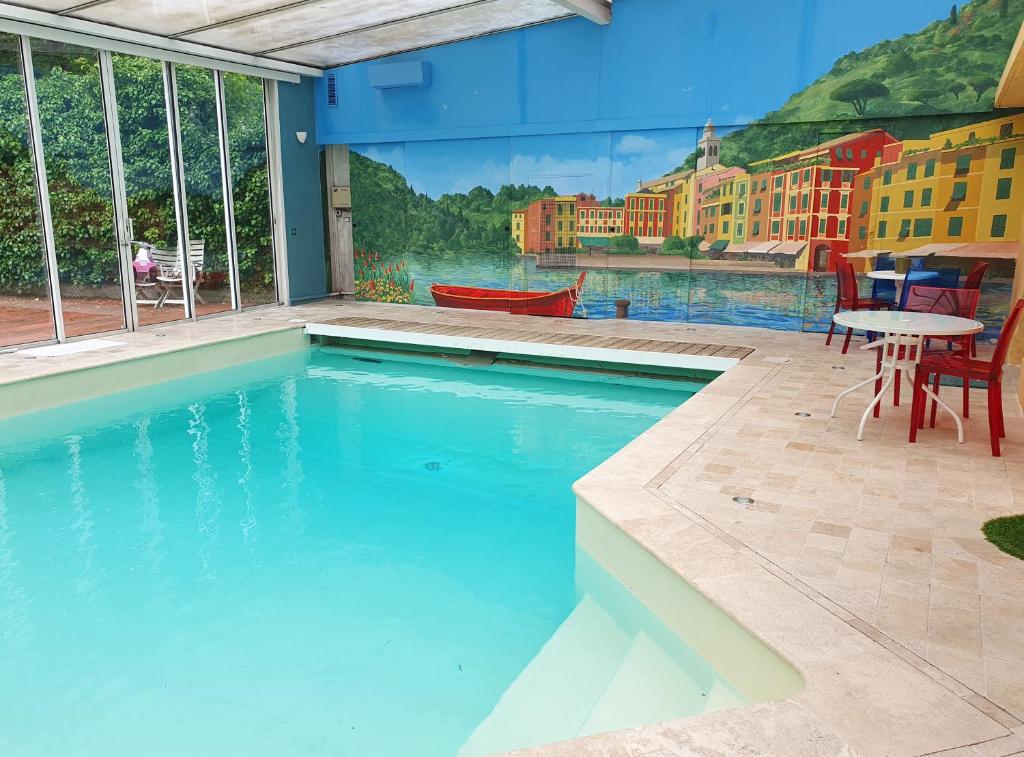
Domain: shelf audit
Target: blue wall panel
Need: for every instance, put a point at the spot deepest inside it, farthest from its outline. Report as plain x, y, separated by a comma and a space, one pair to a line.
303, 199
659, 64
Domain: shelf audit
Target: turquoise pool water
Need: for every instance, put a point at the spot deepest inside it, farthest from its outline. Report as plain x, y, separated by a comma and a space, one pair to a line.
324, 554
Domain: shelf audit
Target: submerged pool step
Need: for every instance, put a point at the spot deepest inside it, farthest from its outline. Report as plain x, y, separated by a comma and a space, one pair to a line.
553, 696
650, 686
592, 676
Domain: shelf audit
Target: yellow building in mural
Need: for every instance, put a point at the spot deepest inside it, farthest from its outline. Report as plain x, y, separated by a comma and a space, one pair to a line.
519, 228
683, 202
728, 206
565, 221
959, 185
740, 209
665, 183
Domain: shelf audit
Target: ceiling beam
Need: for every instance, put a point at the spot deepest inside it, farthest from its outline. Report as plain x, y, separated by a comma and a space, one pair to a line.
246, 17
598, 11
82, 6
379, 25
445, 42
52, 26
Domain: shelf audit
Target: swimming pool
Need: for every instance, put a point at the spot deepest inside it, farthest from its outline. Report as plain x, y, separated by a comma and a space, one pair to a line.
326, 553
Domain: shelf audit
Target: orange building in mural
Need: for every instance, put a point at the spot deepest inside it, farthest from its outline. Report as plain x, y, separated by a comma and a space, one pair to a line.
549, 224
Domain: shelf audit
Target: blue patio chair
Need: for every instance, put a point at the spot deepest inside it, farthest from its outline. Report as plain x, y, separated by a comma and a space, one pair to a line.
918, 277
881, 289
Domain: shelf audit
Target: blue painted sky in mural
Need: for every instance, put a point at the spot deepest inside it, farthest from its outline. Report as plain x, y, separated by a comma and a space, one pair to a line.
751, 76
611, 164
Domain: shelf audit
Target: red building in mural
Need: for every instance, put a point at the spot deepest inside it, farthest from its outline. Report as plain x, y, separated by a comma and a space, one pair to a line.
649, 214
810, 195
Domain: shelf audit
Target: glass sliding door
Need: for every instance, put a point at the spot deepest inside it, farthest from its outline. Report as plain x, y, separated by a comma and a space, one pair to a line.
204, 188
74, 138
247, 142
26, 309
149, 187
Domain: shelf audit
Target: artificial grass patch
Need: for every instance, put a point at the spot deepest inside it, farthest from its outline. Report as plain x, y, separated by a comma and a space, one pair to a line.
1007, 534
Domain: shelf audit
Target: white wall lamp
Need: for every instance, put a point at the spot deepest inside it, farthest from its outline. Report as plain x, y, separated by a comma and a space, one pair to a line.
301, 136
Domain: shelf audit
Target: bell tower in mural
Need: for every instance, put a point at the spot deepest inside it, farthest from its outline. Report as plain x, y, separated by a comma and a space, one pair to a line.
707, 147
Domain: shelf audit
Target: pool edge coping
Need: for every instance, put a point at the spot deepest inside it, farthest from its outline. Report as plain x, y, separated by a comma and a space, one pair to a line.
625, 489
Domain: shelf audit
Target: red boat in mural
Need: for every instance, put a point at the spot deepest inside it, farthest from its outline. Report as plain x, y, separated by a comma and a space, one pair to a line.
559, 304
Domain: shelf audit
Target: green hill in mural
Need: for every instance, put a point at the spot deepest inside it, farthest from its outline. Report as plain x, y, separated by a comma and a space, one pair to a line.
402, 220
952, 66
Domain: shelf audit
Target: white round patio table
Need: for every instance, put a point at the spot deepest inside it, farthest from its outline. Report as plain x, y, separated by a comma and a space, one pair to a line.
905, 330
895, 278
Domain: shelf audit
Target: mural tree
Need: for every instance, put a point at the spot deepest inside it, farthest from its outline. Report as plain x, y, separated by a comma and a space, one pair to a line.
858, 92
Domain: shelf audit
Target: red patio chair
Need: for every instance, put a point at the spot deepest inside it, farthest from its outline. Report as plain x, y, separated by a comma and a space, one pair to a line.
966, 368
848, 298
941, 301
973, 281
976, 274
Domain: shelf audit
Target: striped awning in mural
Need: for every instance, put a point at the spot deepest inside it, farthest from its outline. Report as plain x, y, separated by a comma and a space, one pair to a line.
860, 254
932, 248
752, 247
997, 250
789, 248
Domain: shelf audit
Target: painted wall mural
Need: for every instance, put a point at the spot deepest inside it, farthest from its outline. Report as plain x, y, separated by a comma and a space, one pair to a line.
896, 149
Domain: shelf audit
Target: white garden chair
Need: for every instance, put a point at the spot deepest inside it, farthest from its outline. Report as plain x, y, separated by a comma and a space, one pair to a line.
170, 279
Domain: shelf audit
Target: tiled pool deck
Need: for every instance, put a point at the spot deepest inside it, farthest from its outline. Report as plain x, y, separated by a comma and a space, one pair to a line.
860, 562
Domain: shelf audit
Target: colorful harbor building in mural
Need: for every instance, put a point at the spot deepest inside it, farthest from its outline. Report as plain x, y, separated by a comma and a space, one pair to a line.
803, 210
958, 190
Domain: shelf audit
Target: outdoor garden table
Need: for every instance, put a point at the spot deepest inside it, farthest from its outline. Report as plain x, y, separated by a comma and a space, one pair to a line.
905, 330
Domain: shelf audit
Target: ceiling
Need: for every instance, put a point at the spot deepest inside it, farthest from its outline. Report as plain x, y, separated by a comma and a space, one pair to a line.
320, 33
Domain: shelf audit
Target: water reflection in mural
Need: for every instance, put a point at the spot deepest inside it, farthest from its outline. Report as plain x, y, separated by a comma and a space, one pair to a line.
784, 301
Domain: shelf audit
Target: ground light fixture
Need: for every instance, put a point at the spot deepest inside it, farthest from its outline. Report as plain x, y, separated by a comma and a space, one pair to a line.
743, 500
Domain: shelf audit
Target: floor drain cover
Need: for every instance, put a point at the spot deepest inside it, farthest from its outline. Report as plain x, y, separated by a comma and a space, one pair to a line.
838, 367
743, 500
802, 415
434, 465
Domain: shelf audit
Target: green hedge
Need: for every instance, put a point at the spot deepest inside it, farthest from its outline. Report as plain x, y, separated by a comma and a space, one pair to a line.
78, 169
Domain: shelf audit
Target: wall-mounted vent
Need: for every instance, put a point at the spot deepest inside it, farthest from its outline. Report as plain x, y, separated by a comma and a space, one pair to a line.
414, 73
332, 91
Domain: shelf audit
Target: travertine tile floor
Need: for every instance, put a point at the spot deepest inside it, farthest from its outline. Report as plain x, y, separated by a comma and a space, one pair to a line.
888, 530
880, 535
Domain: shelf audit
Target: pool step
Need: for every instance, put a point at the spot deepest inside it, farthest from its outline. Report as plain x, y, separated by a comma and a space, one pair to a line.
594, 676
651, 686
553, 696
